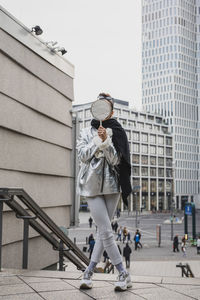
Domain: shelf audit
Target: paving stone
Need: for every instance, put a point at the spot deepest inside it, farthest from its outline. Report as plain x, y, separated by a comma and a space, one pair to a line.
192, 291
12, 289
9, 280
22, 297
45, 273
160, 293
51, 286
109, 293
28, 279
65, 295
96, 284
181, 280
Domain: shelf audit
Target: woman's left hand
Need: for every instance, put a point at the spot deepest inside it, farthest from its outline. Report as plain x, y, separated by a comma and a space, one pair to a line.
102, 133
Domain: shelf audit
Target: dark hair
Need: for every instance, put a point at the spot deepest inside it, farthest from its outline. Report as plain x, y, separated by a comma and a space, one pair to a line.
107, 97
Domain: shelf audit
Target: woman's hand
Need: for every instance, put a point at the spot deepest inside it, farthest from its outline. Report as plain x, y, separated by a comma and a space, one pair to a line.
102, 133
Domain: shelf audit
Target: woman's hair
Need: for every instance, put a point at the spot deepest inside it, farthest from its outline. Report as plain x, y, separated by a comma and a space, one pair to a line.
107, 97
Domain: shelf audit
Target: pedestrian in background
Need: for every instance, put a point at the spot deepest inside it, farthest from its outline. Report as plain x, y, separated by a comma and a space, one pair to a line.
129, 237
198, 245
91, 247
119, 234
91, 237
126, 253
116, 226
183, 246
137, 238
90, 221
175, 244
125, 232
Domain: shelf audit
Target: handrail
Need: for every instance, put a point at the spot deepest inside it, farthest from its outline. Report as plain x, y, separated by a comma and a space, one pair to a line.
7, 195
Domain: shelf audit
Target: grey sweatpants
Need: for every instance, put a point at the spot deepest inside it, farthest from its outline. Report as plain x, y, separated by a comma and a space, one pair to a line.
102, 209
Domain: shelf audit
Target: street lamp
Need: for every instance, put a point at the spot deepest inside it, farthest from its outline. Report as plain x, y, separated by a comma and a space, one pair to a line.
135, 189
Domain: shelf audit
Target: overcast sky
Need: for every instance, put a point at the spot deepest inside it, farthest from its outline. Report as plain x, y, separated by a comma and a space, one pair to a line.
102, 37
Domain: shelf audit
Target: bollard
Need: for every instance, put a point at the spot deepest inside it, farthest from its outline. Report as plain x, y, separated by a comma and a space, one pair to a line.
74, 240
86, 240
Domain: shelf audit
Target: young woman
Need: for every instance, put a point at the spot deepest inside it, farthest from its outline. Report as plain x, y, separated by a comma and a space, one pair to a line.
105, 171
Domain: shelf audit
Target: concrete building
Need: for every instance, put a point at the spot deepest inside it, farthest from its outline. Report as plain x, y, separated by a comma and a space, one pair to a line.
170, 83
151, 154
36, 94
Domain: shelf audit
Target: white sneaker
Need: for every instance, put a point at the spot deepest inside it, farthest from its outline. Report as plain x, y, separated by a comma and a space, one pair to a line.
124, 282
86, 282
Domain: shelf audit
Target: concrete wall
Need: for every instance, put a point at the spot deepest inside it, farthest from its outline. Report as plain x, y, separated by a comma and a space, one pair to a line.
36, 94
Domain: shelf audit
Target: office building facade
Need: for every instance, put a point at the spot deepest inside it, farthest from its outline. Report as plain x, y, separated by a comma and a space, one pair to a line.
151, 155
170, 83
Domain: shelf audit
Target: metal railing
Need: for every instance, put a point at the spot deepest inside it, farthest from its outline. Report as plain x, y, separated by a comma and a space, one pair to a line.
56, 237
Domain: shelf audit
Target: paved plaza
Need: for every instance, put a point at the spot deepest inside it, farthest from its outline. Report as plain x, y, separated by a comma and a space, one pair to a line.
153, 271
55, 285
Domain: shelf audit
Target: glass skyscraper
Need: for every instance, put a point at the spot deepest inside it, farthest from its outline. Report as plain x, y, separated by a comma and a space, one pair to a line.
171, 83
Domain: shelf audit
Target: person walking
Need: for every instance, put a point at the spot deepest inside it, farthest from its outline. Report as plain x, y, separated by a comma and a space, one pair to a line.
91, 247
105, 172
129, 237
175, 244
183, 246
90, 221
137, 238
115, 226
119, 234
125, 232
198, 245
126, 253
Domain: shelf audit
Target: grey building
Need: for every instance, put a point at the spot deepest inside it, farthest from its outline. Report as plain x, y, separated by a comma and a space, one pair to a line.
170, 83
36, 94
151, 147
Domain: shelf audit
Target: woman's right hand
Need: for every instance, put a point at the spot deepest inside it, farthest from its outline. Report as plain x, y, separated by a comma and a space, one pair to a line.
102, 133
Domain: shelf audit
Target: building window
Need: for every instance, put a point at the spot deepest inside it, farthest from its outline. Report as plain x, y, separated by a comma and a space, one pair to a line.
161, 186
168, 141
153, 149
152, 138
160, 161
161, 150
152, 160
131, 123
136, 147
168, 151
160, 172
80, 114
87, 123
160, 140
144, 148
136, 171
153, 186
136, 181
144, 160
144, 137
144, 171
87, 113
169, 162
168, 172
123, 122
135, 159
152, 171
128, 133
168, 186
135, 136
144, 185
141, 125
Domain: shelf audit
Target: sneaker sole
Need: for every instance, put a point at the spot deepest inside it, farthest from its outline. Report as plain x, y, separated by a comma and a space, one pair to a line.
85, 286
120, 289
